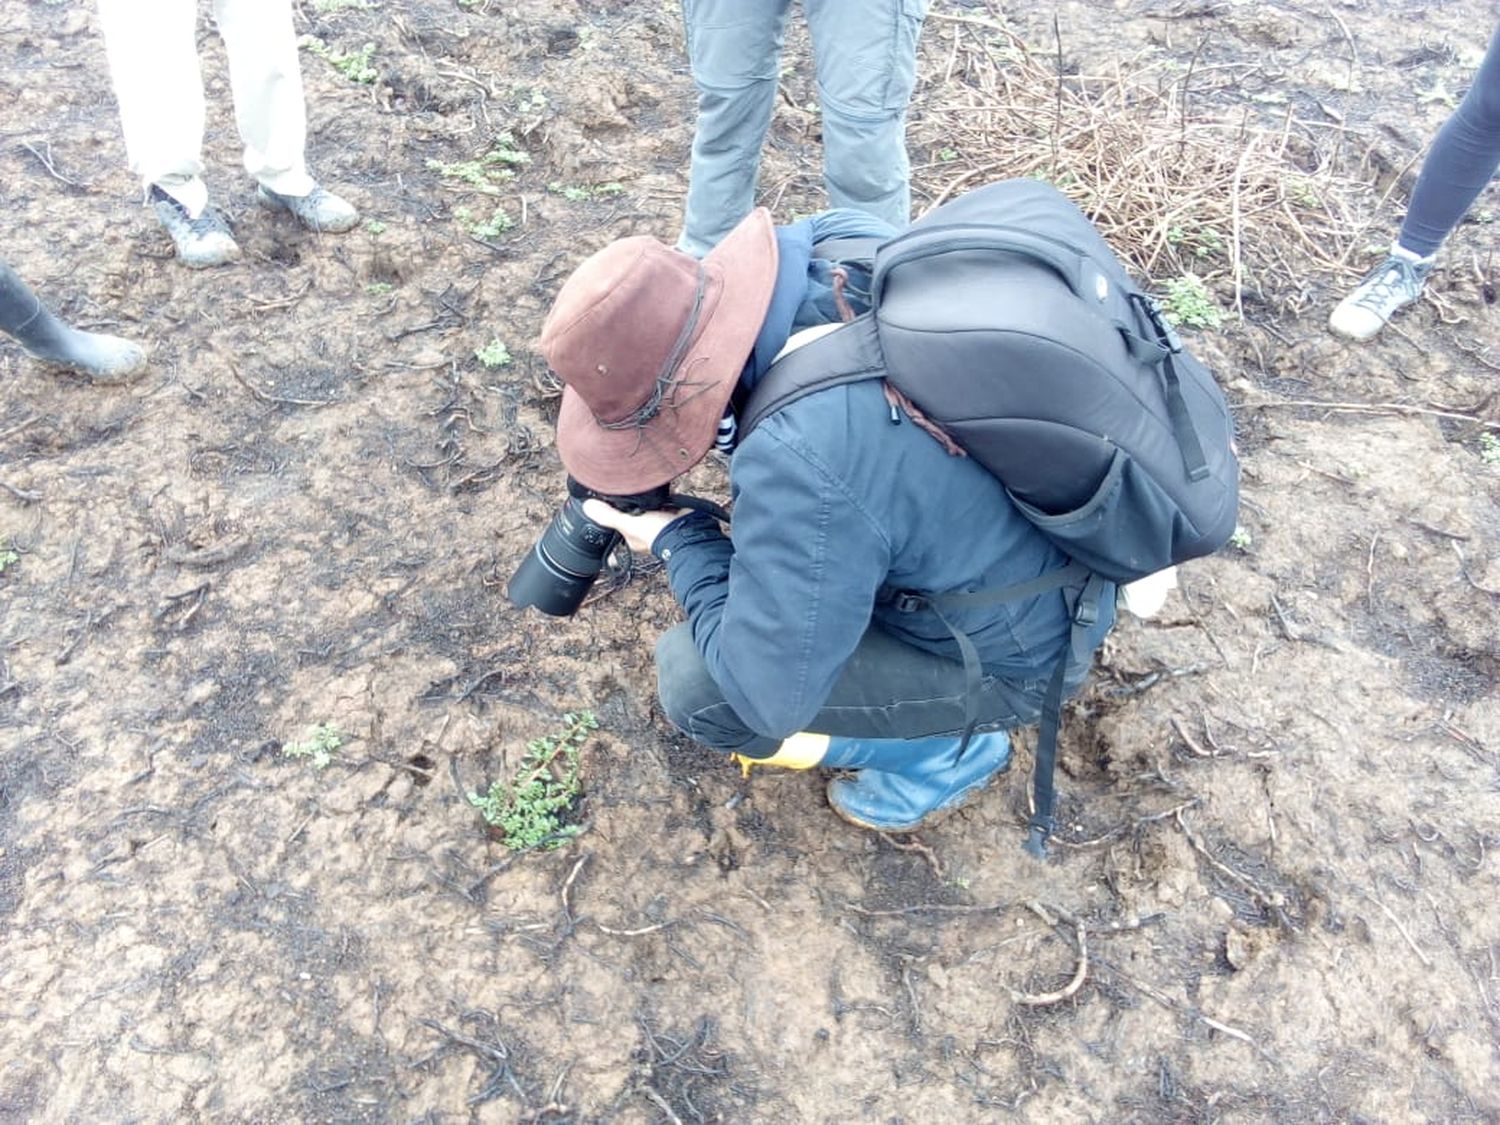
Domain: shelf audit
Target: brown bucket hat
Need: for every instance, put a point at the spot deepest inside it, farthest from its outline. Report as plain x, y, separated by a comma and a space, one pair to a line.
649, 343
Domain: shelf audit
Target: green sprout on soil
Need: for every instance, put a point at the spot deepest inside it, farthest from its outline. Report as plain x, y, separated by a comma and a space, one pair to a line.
1240, 540
1304, 192
531, 101
378, 288
1198, 239
327, 6
9, 557
355, 67
947, 155
494, 354
375, 226
577, 193
1489, 453
484, 173
528, 811
493, 227
1190, 304
319, 745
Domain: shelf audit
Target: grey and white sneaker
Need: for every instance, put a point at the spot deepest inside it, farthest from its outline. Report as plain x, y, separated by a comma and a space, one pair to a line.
201, 242
1388, 288
318, 210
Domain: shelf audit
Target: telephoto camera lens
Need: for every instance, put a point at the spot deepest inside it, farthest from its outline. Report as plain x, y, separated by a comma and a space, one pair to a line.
559, 571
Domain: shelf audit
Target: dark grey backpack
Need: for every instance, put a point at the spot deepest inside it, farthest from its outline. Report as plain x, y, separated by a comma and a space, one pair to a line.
1005, 317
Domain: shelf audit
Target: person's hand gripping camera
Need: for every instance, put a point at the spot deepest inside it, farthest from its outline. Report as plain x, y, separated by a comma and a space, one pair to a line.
639, 530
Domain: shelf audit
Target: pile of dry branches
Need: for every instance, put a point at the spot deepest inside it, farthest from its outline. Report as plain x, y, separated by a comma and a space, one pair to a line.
1254, 206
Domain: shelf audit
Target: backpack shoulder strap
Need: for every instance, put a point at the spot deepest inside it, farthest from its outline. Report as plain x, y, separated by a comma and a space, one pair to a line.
848, 354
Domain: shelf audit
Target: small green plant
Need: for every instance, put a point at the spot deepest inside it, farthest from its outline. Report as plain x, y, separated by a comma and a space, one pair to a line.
327, 6
947, 155
1489, 453
1197, 239
355, 67
484, 173
1240, 540
9, 558
1190, 304
529, 810
319, 745
577, 193
1304, 192
493, 227
375, 226
378, 288
494, 354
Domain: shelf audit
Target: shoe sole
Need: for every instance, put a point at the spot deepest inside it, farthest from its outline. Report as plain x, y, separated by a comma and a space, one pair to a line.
932, 819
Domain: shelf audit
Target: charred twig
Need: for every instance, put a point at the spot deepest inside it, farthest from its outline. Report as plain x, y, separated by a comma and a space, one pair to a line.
1367, 408
926, 908
19, 426
1043, 999
915, 845
173, 603
1463, 568
1188, 740
1400, 929
276, 400
203, 558
495, 1053
474, 687
1151, 679
77, 638
1269, 900
567, 886
46, 162
21, 494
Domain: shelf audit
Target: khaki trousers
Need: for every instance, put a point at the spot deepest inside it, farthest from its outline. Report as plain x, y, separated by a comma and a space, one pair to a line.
153, 62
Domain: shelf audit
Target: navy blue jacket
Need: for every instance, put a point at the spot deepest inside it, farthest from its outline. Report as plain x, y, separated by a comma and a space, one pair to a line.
833, 500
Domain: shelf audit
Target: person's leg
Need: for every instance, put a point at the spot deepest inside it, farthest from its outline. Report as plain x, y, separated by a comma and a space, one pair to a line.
894, 717
734, 48
44, 337
888, 691
866, 52
153, 63
1464, 157
265, 75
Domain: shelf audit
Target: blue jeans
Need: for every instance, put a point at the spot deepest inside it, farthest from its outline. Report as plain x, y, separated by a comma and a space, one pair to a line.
888, 690
865, 55
1463, 160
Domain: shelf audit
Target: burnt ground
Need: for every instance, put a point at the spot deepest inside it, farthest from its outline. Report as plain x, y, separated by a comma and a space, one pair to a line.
1280, 798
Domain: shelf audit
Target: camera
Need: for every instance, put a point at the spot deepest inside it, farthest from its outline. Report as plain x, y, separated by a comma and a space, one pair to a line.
558, 572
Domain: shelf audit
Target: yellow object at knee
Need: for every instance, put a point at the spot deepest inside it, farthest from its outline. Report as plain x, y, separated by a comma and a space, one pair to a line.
802, 751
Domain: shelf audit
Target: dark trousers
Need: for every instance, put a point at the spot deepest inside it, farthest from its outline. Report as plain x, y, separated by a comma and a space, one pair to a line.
1462, 161
888, 690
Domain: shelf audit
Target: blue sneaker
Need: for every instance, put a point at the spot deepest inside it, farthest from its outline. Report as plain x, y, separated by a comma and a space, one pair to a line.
902, 786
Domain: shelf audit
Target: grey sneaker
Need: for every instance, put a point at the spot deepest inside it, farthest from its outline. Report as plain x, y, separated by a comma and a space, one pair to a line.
201, 242
1389, 287
318, 210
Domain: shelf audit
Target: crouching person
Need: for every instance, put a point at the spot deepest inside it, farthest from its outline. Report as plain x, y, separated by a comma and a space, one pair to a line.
795, 651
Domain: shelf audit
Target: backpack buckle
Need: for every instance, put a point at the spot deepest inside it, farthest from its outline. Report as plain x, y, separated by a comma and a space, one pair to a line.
1164, 330
907, 601
1087, 613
